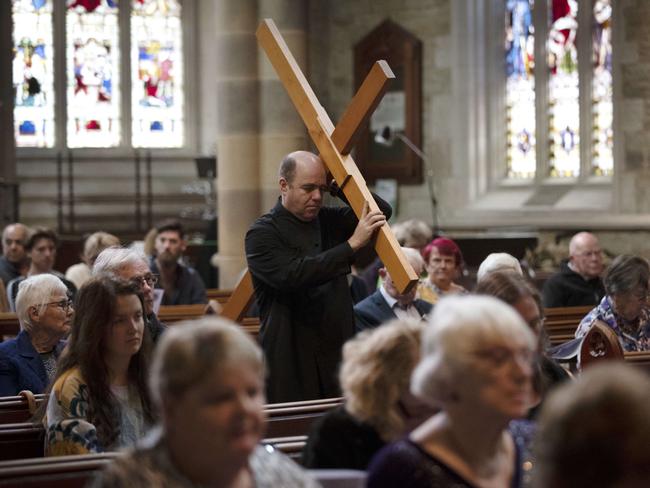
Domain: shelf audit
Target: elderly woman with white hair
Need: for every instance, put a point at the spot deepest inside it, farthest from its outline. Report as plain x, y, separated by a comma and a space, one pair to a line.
207, 381
477, 366
44, 312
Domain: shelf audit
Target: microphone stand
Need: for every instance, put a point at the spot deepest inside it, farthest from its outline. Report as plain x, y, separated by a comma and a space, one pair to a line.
386, 137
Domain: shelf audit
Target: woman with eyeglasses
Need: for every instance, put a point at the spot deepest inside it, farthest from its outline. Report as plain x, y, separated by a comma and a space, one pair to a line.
476, 366
624, 308
99, 400
514, 290
44, 312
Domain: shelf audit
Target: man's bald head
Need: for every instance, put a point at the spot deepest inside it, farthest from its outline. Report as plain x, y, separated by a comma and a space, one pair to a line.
14, 237
302, 184
585, 255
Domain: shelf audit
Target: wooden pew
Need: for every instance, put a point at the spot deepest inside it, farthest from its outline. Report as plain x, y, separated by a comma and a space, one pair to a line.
218, 294
24, 440
9, 325
561, 323
54, 472
76, 471
16, 408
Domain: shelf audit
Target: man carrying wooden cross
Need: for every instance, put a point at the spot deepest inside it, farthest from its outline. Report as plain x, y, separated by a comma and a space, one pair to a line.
299, 255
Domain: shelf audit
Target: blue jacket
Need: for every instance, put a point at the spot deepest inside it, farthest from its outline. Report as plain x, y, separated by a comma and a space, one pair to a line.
374, 311
21, 367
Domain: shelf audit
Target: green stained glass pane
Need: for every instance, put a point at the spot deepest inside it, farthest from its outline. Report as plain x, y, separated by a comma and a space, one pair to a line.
32, 71
157, 74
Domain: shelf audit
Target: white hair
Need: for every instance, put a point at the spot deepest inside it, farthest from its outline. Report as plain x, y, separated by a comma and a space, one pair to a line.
498, 261
36, 291
458, 327
414, 257
111, 260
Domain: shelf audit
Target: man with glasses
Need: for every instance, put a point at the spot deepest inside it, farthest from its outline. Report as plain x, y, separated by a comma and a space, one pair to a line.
44, 310
578, 282
130, 265
387, 303
299, 255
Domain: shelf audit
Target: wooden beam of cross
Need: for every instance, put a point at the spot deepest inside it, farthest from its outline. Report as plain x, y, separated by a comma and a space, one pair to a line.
334, 145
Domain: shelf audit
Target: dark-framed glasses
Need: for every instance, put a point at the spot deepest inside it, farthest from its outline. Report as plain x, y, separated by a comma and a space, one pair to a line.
150, 279
65, 304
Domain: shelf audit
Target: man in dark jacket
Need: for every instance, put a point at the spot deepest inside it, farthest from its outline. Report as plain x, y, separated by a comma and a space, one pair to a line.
299, 255
578, 281
387, 303
13, 262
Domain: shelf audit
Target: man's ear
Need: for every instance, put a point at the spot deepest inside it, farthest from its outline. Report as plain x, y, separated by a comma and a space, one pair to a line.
284, 184
383, 273
183, 244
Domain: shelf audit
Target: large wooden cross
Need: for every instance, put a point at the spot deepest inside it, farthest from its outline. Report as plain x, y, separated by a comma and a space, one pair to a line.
334, 145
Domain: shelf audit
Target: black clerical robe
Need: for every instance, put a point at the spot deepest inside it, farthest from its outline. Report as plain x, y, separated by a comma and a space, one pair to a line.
299, 274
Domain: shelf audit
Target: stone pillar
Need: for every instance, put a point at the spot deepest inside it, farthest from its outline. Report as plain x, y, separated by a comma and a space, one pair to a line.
7, 147
230, 46
281, 129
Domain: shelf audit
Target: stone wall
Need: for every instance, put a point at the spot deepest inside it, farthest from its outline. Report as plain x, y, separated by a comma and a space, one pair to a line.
634, 106
344, 23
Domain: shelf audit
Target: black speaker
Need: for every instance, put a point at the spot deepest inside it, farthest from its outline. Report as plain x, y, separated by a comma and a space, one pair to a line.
206, 166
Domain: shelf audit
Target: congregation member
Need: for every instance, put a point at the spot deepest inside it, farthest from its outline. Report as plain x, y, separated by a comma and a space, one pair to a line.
207, 383
624, 308
411, 233
514, 290
498, 261
44, 311
41, 249
99, 399
94, 244
13, 262
477, 367
596, 431
578, 282
130, 265
377, 365
182, 284
387, 303
444, 262
299, 255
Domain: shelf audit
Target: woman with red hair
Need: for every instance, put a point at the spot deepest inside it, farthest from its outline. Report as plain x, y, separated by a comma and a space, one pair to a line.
444, 262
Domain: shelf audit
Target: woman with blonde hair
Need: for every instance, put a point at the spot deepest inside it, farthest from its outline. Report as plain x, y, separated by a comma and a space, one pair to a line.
374, 377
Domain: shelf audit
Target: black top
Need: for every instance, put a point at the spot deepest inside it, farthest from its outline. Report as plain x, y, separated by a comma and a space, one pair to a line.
188, 288
8, 270
339, 441
299, 274
568, 289
406, 464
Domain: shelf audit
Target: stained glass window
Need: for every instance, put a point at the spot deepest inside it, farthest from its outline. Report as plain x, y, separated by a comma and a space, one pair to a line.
157, 74
603, 160
92, 60
564, 92
520, 89
32, 69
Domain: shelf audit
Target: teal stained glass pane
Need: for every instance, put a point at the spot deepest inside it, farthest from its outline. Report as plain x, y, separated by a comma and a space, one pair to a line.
564, 109
92, 61
520, 89
157, 74
32, 71
603, 148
